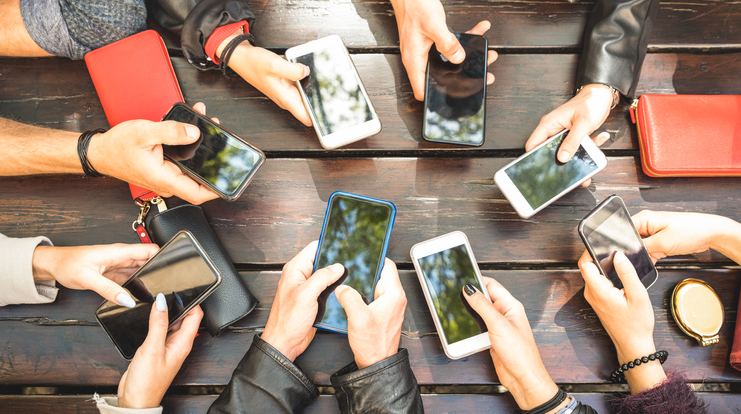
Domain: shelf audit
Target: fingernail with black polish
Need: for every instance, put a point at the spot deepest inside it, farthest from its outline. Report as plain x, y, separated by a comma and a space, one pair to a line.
469, 289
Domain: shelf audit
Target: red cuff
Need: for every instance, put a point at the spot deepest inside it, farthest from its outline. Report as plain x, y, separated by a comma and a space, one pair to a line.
221, 33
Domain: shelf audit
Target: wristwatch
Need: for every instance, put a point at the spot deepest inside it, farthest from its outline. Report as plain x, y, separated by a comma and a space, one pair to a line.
615, 93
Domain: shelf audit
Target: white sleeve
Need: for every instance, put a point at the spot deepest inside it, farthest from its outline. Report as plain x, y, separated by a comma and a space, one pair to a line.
109, 405
16, 273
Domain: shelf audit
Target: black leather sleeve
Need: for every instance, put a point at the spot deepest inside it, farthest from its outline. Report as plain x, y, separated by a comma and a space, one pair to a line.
388, 386
615, 42
265, 381
203, 20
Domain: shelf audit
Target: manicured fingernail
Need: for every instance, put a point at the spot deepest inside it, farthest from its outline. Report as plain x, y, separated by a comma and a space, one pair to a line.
619, 257
458, 56
469, 289
563, 156
125, 300
337, 268
192, 131
160, 303
306, 71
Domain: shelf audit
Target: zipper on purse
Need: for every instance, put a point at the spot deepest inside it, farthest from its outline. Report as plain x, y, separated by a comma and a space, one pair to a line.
633, 111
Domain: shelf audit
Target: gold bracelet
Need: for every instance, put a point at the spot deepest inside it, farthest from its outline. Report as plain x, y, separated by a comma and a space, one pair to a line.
615, 93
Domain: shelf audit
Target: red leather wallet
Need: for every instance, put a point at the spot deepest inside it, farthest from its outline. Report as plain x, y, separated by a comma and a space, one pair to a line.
689, 135
134, 80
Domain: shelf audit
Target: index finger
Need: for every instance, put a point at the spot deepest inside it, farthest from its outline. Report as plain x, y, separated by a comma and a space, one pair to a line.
303, 262
389, 281
174, 181
549, 126
593, 279
182, 340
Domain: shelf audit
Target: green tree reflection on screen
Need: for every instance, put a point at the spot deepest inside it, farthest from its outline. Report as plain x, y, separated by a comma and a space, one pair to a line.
539, 177
354, 236
446, 273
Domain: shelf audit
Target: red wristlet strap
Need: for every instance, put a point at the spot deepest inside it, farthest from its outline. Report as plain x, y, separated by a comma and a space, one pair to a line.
218, 36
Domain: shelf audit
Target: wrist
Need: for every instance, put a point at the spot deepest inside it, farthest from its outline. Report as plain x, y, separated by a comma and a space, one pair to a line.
531, 393
609, 95
727, 235
363, 363
274, 341
635, 349
42, 263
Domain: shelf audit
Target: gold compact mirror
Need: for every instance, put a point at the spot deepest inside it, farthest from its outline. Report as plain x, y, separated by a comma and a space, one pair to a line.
698, 310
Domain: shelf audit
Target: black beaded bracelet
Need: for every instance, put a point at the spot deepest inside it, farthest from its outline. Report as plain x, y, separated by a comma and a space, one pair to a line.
226, 53
550, 404
82, 145
618, 375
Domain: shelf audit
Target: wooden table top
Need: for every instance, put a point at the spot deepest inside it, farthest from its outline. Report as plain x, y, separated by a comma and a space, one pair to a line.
695, 49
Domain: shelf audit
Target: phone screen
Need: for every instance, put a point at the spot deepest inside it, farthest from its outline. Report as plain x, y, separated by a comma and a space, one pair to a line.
540, 177
445, 274
355, 234
455, 95
611, 230
218, 157
333, 90
179, 272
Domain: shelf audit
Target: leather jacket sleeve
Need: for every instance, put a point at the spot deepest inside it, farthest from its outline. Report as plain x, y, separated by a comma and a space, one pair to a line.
615, 42
265, 381
388, 386
203, 20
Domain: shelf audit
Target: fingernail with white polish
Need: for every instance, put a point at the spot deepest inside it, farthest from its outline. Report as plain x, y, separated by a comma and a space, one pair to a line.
192, 131
160, 303
306, 71
125, 300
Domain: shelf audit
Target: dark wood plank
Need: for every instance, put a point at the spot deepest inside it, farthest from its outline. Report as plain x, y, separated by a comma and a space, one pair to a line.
515, 24
283, 209
433, 403
60, 344
527, 87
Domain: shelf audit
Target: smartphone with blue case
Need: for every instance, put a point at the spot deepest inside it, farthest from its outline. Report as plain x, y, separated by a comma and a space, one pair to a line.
355, 234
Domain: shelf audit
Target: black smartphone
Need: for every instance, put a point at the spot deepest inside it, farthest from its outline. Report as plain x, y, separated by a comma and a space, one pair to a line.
219, 159
455, 95
181, 270
609, 229
355, 233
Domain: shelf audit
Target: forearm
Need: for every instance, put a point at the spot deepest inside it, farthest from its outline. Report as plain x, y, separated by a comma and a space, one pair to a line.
615, 42
728, 240
16, 40
34, 150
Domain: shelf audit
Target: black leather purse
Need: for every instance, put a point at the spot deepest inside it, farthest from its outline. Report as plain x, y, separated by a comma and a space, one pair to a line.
232, 300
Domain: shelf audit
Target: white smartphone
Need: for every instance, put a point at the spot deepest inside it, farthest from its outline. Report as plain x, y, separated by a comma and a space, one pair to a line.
444, 265
537, 178
333, 93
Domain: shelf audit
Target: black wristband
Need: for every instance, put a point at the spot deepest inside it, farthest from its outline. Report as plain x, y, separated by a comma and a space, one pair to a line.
618, 375
549, 405
226, 54
82, 145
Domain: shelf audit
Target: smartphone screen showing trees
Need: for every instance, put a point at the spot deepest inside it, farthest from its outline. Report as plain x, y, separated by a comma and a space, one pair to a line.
540, 177
455, 95
445, 274
217, 157
333, 90
355, 234
611, 230
179, 272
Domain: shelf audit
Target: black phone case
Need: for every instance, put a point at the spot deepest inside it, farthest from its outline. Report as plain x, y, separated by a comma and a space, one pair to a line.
232, 300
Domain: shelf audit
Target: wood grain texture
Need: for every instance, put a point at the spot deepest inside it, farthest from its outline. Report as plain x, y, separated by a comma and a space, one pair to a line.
326, 404
527, 88
283, 208
61, 344
515, 24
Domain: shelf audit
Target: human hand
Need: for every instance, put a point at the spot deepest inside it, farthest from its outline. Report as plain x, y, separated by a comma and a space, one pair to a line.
101, 268
513, 348
374, 330
627, 316
159, 359
132, 151
271, 75
581, 115
290, 324
669, 234
422, 23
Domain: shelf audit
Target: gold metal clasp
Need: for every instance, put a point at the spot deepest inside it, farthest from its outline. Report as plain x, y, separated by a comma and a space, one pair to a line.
142, 214
160, 203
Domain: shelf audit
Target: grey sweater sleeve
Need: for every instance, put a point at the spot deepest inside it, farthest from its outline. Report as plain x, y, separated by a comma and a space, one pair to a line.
71, 28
